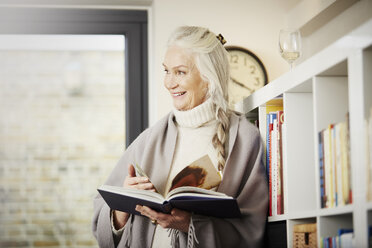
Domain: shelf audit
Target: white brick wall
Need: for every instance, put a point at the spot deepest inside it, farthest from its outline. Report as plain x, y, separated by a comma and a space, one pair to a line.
58, 142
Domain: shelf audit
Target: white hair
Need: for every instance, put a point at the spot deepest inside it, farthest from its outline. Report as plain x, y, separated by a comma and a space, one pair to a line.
211, 58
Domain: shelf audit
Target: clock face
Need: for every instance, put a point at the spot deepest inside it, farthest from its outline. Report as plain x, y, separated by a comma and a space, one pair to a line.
247, 74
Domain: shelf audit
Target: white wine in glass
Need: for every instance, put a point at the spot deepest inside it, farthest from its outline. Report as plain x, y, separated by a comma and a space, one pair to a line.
290, 45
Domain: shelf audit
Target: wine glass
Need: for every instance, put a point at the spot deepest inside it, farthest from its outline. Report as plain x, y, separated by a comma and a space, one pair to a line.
290, 45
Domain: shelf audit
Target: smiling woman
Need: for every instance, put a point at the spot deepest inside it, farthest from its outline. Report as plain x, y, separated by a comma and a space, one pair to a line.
183, 80
200, 124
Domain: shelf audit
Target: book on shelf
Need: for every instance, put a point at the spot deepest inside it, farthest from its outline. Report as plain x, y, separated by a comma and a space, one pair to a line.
273, 164
344, 239
321, 170
188, 192
280, 192
334, 165
274, 161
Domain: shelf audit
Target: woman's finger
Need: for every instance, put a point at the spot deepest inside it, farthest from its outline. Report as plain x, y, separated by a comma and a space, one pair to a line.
148, 212
136, 180
144, 186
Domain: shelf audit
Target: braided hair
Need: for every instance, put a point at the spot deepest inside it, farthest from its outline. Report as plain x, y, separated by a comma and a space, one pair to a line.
211, 59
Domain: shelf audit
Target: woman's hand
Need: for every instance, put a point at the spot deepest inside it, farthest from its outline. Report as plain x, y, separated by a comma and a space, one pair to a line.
131, 181
177, 219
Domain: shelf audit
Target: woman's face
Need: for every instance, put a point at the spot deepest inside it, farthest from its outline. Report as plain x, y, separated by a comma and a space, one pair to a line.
182, 79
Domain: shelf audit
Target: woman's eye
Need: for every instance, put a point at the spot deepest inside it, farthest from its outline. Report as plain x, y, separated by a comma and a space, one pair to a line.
181, 73
166, 71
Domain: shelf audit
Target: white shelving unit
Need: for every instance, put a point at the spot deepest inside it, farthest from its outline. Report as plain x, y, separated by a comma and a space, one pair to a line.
318, 92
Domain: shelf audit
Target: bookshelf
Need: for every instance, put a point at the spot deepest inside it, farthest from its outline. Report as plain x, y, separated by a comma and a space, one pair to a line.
318, 92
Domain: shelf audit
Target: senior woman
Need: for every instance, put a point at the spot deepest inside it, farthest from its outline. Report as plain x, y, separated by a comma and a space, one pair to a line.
196, 76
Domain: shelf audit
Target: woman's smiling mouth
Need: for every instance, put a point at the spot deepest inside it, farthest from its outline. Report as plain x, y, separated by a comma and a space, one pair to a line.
179, 93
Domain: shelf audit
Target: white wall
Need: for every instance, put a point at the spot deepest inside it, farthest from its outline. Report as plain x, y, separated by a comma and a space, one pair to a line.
248, 23
340, 25
251, 24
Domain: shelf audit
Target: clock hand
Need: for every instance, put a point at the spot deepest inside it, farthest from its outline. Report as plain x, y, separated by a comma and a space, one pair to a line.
240, 84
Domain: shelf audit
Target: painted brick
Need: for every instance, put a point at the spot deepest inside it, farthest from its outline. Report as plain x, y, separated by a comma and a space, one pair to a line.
59, 140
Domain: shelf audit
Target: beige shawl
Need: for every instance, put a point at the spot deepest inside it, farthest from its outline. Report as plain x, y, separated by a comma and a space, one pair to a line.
243, 178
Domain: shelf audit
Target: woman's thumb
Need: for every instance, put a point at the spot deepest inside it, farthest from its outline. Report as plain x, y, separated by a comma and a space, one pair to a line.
131, 171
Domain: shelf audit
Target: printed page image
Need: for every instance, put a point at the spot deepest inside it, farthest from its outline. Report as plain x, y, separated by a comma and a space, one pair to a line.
201, 173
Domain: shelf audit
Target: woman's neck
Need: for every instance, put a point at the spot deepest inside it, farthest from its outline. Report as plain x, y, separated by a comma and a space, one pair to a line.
196, 116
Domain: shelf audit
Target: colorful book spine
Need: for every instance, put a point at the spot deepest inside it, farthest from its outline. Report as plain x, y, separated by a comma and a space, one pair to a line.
334, 166
268, 118
271, 166
321, 170
344, 239
273, 157
328, 168
274, 166
334, 171
280, 195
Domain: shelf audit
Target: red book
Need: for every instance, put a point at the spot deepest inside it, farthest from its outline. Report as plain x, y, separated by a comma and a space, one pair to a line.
280, 206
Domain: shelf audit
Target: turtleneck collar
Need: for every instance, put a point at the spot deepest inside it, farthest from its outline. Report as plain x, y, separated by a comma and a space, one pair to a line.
197, 116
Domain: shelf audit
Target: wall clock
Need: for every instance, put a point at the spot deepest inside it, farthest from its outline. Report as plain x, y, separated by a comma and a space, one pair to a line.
247, 73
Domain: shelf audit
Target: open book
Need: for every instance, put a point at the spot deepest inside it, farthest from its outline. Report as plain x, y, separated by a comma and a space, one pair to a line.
192, 199
189, 190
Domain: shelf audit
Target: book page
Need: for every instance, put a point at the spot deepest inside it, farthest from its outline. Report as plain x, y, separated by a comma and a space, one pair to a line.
188, 190
136, 193
200, 173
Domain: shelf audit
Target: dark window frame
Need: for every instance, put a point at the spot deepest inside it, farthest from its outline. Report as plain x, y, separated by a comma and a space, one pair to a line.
131, 23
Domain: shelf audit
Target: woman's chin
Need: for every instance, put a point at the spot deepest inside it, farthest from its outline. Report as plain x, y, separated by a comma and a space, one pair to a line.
179, 106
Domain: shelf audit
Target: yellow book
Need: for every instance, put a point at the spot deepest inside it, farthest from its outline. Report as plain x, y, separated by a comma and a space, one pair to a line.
328, 166
345, 163
274, 105
338, 160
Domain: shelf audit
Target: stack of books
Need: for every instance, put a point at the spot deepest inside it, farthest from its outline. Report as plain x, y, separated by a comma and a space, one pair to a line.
274, 158
344, 239
334, 165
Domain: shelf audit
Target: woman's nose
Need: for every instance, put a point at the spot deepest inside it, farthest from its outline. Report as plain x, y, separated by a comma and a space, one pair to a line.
170, 82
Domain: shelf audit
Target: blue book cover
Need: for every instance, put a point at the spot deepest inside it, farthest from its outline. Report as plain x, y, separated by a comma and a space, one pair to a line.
267, 147
344, 230
270, 117
192, 199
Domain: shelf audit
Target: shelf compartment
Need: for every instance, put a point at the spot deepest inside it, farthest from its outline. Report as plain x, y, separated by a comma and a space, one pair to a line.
299, 163
276, 234
331, 107
270, 134
330, 225
290, 225
330, 100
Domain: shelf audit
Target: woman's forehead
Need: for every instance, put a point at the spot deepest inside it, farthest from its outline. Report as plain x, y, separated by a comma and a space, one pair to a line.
177, 56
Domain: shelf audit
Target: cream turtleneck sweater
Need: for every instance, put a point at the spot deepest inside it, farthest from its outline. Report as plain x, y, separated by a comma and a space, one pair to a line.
196, 128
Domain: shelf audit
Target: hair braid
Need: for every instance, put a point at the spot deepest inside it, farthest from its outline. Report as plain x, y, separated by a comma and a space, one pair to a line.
219, 139
211, 58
